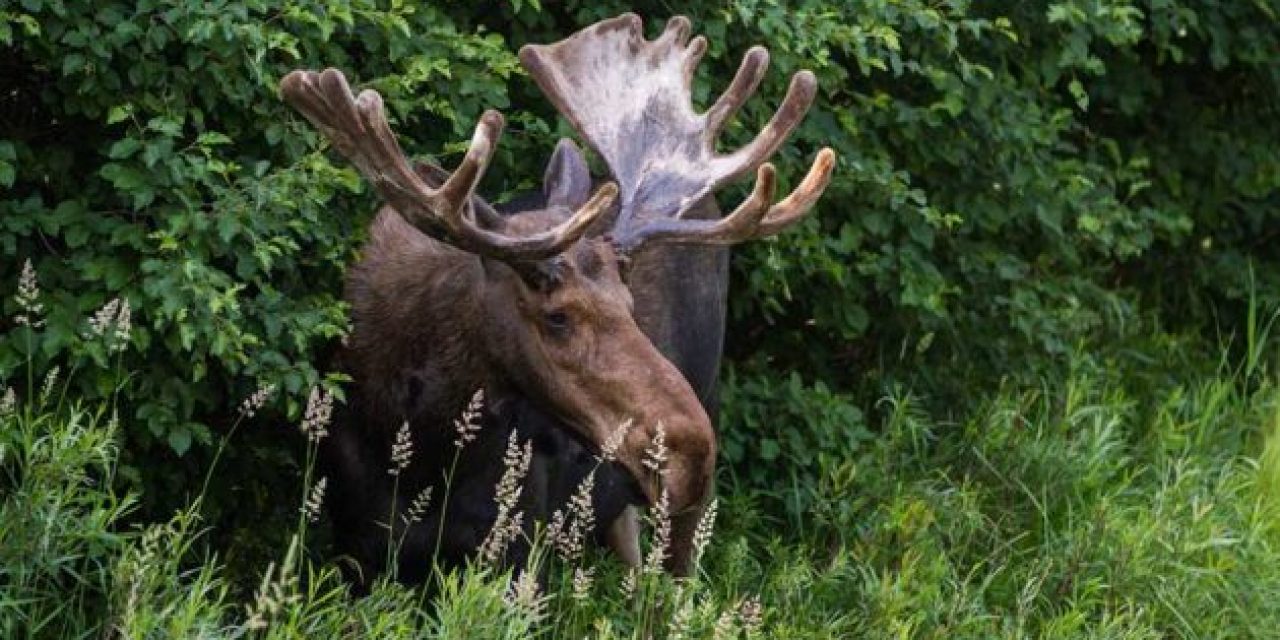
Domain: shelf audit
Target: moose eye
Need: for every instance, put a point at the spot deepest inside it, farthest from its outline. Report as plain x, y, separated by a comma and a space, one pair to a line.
556, 321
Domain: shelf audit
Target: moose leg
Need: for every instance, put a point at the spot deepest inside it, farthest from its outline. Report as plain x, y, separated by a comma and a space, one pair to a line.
357, 499
624, 536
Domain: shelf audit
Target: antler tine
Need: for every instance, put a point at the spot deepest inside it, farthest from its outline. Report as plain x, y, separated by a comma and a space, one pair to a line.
358, 128
754, 218
460, 186
802, 198
676, 32
750, 73
434, 176
800, 95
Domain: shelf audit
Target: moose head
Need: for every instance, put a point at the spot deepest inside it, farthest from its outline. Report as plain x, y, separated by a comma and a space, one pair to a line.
451, 296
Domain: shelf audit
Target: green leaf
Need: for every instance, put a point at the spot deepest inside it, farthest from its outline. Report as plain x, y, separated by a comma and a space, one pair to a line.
125, 148
1078, 92
769, 449
124, 177
212, 138
179, 439
119, 113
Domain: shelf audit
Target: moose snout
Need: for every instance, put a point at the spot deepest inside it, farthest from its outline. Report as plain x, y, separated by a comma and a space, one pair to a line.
691, 465
688, 448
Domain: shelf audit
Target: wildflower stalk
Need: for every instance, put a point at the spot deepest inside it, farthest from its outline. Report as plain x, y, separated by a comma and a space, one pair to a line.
417, 508
113, 325
444, 508
401, 455
651, 571
568, 529
650, 574
247, 409
312, 449
507, 525
29, 310
315, 425
466, 428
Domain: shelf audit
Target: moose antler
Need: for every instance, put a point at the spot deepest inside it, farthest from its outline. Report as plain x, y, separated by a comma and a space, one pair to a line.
630, 98
358, 128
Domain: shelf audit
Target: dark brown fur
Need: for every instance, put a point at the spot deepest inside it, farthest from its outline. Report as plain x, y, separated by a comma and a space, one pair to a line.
431, 325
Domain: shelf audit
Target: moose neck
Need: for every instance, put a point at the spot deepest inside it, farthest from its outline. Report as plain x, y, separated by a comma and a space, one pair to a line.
415, 350
681, 304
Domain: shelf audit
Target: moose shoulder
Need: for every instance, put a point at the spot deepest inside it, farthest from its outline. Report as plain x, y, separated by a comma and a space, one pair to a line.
532, 307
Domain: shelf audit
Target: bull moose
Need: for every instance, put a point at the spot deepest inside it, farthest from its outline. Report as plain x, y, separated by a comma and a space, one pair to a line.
574, 315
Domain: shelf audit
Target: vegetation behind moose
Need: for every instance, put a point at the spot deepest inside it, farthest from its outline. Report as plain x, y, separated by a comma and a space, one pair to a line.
561, 313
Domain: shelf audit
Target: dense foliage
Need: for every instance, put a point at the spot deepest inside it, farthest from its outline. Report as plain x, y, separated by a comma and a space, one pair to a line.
1019, 183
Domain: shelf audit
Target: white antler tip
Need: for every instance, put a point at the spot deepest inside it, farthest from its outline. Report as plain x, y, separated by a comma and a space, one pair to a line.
369, 100
826, 160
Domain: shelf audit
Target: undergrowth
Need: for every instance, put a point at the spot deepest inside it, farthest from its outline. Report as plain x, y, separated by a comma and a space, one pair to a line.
1089, 506
1132, 495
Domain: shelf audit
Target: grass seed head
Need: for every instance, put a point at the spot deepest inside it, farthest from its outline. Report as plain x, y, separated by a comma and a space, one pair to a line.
525, 595
751, 614
124, 326
509, 523
114, 323
661, 535
272, 597
418, 506
629, 583
583, 578
468, 424
250, 406
8, 403
31, 311
655, 455
401, 450
726, 625
609, 451
706, 527
315, 500
50, 381
315, 421
678, 629
571, 531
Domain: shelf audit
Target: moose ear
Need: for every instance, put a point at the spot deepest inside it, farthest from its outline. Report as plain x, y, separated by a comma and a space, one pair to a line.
567, 182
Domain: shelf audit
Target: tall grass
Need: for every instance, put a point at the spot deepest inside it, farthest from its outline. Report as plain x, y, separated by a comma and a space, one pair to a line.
1084, 507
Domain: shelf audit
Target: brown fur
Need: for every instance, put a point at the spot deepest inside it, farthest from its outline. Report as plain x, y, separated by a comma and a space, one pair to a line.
433, 323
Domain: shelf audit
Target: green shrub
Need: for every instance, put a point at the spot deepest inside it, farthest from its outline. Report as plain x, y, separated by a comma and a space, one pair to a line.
59, 529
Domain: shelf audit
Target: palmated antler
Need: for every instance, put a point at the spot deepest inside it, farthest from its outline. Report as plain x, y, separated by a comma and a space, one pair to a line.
630, 98
358, 128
